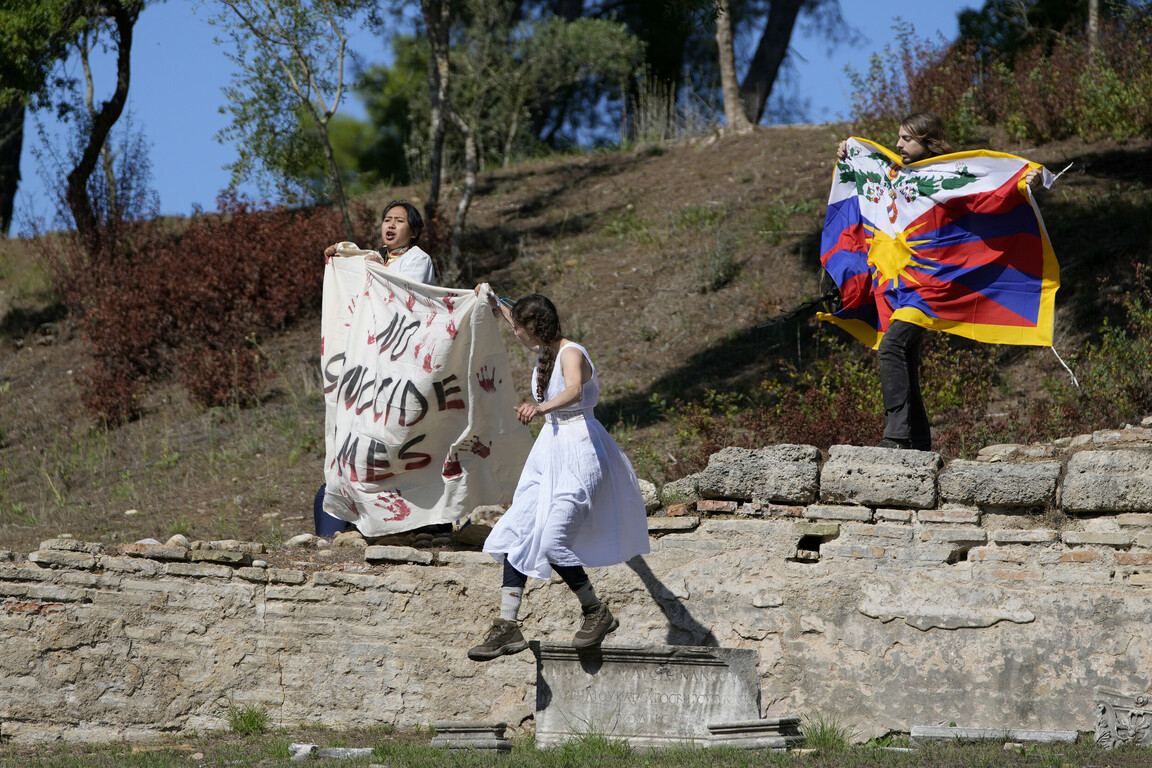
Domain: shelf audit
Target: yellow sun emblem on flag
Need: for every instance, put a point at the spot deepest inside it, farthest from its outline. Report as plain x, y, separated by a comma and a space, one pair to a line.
889, 257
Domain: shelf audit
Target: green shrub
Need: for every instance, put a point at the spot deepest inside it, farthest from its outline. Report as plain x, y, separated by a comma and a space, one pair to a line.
192, 302
248, 719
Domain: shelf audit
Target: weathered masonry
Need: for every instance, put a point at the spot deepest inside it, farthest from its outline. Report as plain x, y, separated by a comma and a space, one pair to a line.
885, 588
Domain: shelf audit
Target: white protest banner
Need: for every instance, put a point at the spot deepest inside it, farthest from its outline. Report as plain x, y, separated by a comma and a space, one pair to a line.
420, 426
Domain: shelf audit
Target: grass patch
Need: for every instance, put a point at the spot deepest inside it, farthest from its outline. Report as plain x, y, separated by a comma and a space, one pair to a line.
248, 719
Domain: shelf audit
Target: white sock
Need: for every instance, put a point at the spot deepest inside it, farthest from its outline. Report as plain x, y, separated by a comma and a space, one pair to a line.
587, 595
510, 602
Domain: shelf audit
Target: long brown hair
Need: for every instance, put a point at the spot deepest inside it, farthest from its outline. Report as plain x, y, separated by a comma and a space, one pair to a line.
928, 129
538, 315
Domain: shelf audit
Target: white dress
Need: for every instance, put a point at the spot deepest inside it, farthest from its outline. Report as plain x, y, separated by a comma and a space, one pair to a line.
415, 264
577, 501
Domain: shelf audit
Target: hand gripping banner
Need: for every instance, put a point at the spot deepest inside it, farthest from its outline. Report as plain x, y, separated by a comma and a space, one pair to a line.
420, 426
954, 243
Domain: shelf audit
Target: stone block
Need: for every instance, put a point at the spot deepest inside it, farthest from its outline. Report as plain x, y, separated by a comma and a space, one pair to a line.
1122, 718
857, 552
1102, 538
72, 545
971, 535
680, 509
355, 580
1081, 556
135, 565
286, 576
783, 510
1108, 481
902, 533
879, 477
1134, 520
381, 553
775, 734
935, 553
1029, 484
680, 491
838, 512
198, 571
716, 505
62, 559
452, 734
823, 530
1144, 540
1140, 579
255, 575
723, 529
991, 554
950, 515
653, 696
155, 551
232, 545
673, 524
221, 556
784, 474
1133, 558
894, 515
1024, 536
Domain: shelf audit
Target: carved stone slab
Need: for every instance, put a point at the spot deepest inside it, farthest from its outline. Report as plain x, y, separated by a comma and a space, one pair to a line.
651, 696
1123, 718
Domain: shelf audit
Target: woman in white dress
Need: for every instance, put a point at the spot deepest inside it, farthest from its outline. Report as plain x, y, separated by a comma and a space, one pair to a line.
400, 228
577, 502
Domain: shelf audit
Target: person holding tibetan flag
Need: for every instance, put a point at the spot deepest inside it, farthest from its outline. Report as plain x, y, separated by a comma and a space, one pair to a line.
928, 238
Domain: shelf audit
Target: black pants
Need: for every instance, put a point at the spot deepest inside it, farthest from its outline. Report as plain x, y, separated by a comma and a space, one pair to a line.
574, 576
904, 414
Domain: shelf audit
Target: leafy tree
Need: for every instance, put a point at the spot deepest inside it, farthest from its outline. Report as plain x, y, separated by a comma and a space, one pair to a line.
291, 56
499, 70
34, 35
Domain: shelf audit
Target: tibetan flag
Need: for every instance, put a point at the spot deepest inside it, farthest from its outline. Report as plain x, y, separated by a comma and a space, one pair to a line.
953, 243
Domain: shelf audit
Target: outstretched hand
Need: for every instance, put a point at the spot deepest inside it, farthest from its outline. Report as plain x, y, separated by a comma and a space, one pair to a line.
525, 412
842, 150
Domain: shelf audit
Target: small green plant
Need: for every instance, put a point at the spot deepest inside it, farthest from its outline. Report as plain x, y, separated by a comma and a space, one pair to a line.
248, 719
826, 734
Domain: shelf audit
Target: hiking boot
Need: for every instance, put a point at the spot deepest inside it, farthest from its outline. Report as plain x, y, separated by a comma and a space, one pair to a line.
598, 622
503, 638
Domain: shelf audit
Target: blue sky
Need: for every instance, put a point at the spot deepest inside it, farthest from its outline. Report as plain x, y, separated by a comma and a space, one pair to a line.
178, 72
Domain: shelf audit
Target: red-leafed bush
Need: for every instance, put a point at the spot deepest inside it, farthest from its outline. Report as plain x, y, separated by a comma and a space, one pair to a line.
194, 302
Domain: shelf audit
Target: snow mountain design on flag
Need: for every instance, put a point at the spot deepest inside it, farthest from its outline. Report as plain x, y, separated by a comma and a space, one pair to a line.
954, 243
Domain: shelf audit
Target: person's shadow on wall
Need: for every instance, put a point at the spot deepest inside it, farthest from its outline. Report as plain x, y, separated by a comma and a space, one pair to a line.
683, 628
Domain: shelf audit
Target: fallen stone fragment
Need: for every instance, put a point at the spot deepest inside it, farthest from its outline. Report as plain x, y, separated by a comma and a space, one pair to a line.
923, 733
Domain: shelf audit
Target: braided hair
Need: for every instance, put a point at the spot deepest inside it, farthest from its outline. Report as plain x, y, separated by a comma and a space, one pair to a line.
538, 315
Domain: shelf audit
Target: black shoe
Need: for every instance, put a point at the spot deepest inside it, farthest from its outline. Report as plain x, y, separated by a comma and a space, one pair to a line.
504, 638
895, 442
598, 622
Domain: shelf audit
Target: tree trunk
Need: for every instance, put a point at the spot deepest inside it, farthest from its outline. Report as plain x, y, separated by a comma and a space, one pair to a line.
337, 181
765, 64
107, 161
11, 145
734, 117
470, 166
123, 15
436, 22
1093, 26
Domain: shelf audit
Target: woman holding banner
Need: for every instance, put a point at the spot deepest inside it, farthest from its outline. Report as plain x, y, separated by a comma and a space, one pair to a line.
400, 228
578, 502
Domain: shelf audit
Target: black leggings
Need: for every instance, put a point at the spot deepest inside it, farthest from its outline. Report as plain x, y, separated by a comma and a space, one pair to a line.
573, 575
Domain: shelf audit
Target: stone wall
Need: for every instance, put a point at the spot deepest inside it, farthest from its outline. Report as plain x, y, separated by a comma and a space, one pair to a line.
884, 588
